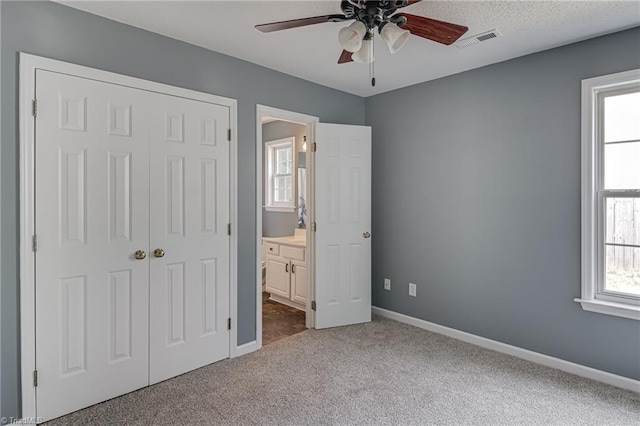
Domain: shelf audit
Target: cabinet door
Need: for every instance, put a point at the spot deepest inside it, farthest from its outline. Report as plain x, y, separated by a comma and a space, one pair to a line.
278, 276
299, 283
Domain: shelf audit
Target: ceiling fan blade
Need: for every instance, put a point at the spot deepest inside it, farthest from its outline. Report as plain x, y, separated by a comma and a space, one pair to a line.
294, 23
440, 31
345, 57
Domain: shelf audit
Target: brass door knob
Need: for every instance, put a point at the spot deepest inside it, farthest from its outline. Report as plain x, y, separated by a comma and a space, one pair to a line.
366, 234
139, 254
158, 252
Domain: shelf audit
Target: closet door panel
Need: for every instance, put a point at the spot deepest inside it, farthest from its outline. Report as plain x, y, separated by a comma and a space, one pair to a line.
92, 209
189, 212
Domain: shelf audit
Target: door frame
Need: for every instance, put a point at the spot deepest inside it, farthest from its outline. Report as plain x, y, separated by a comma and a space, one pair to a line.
309, 121
27, 85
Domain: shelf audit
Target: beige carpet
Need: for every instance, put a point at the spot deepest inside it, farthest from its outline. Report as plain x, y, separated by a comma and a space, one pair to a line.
384, 372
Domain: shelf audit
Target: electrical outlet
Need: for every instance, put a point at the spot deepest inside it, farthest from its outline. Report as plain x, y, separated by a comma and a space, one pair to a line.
387, 284
412, 289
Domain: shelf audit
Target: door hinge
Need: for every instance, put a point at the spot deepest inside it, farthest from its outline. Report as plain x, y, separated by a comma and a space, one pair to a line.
228, 323
34, 243
35, 378
34, 107
314, 147
228, 229
314, 227
229, 135
313, 305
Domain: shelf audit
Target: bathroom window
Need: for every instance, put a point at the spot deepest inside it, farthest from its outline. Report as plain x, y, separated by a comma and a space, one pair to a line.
611, 195
279, 175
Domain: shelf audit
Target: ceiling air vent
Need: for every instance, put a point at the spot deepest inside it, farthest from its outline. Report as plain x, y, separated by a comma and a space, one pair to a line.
478, 38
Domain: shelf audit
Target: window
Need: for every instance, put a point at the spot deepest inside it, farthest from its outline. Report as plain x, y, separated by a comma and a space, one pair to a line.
611, 194
279, 175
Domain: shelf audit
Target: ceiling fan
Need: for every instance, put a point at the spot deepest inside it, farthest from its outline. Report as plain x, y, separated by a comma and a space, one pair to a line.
394, 28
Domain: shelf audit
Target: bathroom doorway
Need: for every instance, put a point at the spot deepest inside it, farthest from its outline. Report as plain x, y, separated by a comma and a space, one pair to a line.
283, 252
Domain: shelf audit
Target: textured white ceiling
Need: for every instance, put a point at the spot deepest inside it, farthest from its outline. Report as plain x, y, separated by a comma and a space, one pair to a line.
311, 52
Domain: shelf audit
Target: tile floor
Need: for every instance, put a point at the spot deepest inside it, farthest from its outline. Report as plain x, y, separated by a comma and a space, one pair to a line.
279, 321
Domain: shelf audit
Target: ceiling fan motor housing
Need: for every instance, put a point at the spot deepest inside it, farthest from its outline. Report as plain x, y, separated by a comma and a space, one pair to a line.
374, 13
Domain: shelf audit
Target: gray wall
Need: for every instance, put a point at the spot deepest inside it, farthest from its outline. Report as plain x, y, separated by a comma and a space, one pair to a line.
476, 198
59, 32
280, 224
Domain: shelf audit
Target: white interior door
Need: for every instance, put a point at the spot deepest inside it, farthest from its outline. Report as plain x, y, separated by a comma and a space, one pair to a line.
343, 218
189, 285
92, 209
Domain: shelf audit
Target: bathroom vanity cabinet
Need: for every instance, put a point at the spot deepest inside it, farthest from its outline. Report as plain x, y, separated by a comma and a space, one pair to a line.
286, 270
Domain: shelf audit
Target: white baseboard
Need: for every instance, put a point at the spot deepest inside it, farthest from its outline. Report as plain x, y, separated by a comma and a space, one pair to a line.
538, 358
246, 348
290, 303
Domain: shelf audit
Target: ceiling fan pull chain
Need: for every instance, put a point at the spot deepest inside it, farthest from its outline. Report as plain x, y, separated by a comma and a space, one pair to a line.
372, 63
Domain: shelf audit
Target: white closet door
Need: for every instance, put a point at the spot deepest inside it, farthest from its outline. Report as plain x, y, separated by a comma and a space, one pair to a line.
92, 208
189, 285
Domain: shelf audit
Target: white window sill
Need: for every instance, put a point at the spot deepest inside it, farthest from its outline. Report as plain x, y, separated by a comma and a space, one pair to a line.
610, 308
280, 209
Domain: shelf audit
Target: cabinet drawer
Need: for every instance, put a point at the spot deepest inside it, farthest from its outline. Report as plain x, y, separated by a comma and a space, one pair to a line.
271, 248
295, 253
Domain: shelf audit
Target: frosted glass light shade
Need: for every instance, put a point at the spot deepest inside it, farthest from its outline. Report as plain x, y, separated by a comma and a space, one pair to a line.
350, 38
365, 54
394, 36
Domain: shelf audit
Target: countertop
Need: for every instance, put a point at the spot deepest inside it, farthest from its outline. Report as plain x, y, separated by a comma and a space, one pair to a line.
290, 241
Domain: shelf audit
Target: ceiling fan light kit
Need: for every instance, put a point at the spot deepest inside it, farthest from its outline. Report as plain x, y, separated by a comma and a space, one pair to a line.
350, 38
365, 54
394, 36
394, 28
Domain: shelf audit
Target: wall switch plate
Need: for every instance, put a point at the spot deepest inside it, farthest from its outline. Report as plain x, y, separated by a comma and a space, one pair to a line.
387, 284
412, 289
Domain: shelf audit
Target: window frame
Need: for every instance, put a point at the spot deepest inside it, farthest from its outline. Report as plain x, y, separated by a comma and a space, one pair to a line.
270, 148
594, 298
